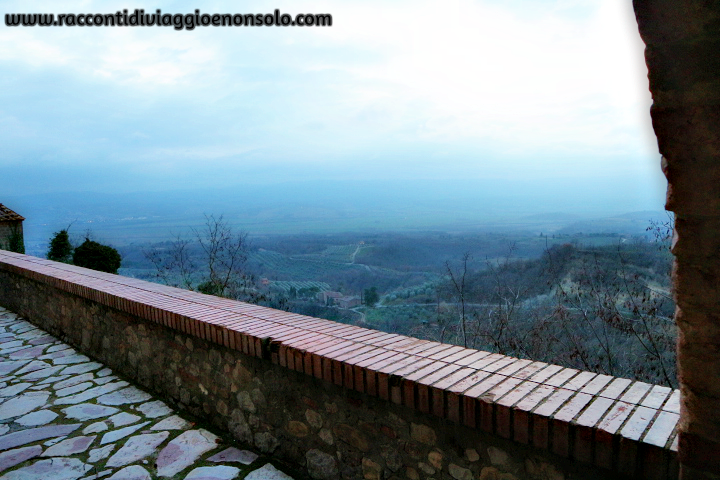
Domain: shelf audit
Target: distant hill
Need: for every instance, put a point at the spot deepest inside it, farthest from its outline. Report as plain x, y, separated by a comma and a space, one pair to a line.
326, 206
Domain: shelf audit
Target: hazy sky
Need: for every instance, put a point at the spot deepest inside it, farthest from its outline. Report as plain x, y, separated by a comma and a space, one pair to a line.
526, 89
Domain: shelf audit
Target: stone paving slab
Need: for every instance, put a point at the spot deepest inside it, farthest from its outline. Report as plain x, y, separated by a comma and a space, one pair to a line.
66, 417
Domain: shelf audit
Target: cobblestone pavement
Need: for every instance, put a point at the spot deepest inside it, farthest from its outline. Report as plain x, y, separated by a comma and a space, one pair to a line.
65, 417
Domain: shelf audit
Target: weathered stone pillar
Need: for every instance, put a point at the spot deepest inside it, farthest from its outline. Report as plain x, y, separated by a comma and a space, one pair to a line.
682, 39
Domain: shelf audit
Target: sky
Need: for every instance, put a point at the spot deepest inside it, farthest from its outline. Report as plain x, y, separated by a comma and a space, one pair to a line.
546, 91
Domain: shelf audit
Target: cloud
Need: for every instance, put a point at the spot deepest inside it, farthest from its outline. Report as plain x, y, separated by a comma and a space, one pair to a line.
461, 87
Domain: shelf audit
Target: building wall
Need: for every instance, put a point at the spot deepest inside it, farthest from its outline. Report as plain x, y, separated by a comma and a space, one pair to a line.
682, 39
6, 229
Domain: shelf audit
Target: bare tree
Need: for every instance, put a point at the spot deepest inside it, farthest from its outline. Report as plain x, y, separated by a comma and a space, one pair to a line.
214, 261
174, 266
597, 312
226, 254
458, 282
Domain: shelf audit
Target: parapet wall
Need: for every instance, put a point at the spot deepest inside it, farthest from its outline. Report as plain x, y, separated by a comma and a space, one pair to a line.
349, 402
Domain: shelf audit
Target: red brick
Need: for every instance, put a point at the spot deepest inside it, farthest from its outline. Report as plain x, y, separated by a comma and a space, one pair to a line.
437, 401
447, 353
541, 416
424, 391
349, 350
313, 343
397, 345
298, 339
365, 352
431, 369
245, 344
662, 429
452, 406
606, 431
396, 394
317, 366
594, 412
561, 377
469, 411
655, 463
359, 378
529, 370
474, 357
553, 403
336, 370
349, 376
370, 382
377, 363
638, 422
579, 381
232, 336
371, 360
409, 393
360, 333
513, 368
657, 396
627, 456
327, 349
454, 377
585, 428
413, 343
369, 338
464, 353
383, 387
484, 385
518, 393
300, 360
490, 411
616, 388
542, 375
636, 392
499, 364
327, 371
407, 365
521, 413
307, 362
561, 423
488, 360
541, 432
503, 406
289, 357
386, 339
423, 398
432, 351
672, 404
596, 384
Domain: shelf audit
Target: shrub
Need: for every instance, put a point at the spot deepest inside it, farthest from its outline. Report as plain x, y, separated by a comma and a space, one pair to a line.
97, 257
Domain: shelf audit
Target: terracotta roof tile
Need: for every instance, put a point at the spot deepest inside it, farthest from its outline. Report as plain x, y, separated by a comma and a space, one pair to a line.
7, 215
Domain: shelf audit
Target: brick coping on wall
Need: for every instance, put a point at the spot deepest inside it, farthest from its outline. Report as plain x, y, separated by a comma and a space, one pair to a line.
592, 418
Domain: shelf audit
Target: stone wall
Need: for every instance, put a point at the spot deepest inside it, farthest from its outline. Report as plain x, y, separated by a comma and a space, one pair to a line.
6, 231
682, 40
348, 402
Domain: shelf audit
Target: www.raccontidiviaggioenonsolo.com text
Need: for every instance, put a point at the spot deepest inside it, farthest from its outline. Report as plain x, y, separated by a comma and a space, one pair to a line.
179, 21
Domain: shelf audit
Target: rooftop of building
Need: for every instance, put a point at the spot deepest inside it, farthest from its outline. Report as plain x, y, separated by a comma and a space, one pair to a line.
7, 215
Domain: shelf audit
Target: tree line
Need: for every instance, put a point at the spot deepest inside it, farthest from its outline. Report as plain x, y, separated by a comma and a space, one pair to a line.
89, 254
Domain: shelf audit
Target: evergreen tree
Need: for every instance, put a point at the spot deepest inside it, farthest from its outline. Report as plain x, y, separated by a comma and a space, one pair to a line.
371, 296
97, 256
60, 248
16, 242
